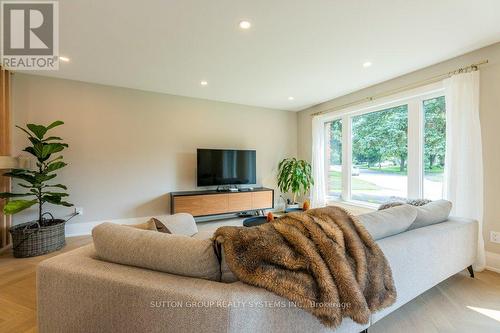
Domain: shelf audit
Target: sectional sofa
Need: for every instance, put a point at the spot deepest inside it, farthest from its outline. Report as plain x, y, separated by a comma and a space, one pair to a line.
80, 292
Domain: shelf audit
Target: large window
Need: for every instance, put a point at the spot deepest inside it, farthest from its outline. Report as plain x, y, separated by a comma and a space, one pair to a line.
434, 147
379, 155
395, 150
333, 130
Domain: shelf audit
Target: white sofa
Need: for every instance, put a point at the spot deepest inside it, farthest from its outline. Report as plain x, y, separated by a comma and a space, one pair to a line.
79, 293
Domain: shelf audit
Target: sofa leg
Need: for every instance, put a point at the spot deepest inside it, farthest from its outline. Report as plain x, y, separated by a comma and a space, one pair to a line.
364, 331
471, 271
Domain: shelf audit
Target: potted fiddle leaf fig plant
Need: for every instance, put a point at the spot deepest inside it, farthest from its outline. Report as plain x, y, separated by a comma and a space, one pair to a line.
46, 233
294, 176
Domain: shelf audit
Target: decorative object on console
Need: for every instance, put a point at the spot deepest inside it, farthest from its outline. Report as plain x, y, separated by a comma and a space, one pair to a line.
43, 235
270, 217
294, 176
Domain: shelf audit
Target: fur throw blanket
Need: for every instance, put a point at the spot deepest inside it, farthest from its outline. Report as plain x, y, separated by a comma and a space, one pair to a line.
323, 260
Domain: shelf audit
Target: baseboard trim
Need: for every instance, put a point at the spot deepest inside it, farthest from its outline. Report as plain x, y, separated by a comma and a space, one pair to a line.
493, 261
5, 248
85, 228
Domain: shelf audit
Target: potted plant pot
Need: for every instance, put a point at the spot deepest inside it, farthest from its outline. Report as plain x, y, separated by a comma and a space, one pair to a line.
294, 206
294, 176
43, 235
30, 239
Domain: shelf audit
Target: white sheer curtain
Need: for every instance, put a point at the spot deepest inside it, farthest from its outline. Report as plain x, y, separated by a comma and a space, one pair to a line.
464, 158
318, 191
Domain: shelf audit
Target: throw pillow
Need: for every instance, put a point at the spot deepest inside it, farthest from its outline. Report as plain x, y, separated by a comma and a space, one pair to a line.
432, 213
399, 202
175, 254
159, 226
388, 222
178, 224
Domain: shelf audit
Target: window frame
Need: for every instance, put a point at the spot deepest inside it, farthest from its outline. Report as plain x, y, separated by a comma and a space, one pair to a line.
414, 98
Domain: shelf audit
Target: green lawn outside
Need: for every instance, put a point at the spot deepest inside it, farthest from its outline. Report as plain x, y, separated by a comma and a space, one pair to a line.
435, 169
395, 170
335, 178
335, 181
390, 169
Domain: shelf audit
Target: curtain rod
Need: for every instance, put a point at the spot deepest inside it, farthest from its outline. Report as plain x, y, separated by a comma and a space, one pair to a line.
470, 68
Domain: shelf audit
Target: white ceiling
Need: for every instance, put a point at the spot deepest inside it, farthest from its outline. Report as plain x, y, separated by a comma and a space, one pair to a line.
312, 50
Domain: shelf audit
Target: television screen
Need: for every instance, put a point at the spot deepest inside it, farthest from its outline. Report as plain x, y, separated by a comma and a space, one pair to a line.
225, 167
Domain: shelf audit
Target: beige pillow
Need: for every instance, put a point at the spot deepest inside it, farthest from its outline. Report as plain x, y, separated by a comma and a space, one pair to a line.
388, 222
175, 254
159, 226
149, 225
432, 213
178, 224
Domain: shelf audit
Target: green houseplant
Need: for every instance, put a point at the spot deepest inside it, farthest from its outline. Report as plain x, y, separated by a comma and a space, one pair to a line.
46, 234
294, 176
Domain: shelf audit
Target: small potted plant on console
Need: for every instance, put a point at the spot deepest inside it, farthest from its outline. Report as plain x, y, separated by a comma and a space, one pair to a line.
294, 176
46, 233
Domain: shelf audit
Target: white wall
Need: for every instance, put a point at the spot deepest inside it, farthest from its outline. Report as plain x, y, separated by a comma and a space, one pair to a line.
129, 148
489, 113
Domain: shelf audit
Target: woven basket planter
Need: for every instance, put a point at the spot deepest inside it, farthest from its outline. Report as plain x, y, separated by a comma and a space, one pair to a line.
30, 240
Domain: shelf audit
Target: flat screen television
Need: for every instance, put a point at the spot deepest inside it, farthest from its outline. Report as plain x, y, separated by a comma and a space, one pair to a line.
225, 167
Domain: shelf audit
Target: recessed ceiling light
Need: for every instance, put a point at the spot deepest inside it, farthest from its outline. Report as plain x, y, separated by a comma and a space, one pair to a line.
291, 98
204, 83
245, 25
65, 59
367, 64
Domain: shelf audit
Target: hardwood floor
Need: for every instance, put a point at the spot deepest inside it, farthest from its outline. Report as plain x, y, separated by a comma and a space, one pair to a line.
454, 305
458, 304
18, 288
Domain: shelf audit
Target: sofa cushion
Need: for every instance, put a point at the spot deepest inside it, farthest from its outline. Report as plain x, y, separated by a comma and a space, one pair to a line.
432, 213
179, 224
388, 222
175, 254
